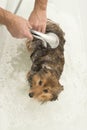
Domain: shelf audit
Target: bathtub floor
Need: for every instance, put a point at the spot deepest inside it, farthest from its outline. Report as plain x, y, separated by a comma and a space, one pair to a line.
17, 110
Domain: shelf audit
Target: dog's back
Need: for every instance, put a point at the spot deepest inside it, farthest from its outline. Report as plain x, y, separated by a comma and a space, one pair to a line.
47, 66
54, 58
57, 55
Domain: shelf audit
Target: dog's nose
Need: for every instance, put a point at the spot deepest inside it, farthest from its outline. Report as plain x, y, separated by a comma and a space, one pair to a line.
31, 95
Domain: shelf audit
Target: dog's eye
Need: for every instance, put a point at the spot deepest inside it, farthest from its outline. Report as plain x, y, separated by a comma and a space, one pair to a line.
40, 82
45, 91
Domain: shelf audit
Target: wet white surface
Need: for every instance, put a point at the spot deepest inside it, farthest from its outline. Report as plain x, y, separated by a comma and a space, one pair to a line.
17, 110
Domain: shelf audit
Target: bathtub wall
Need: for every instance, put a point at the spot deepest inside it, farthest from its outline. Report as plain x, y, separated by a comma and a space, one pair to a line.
17, 110
83, 14
3, 3
75, 8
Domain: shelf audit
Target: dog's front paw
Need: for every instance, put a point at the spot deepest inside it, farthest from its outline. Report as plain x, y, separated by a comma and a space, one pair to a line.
28, 45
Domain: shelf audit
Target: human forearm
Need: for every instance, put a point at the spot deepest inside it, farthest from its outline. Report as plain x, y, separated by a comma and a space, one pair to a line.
38, 16
16, 25
5, 16
41, 4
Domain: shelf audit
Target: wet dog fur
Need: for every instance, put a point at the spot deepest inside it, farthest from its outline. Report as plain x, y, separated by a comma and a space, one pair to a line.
47, 66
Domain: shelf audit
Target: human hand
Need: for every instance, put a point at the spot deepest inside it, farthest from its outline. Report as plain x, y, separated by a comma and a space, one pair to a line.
18, 27
38, 20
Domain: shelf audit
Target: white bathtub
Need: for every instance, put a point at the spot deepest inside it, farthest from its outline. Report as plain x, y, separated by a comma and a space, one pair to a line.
17, 110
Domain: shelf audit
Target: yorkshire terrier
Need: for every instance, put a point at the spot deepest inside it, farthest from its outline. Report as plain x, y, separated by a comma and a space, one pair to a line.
47, 66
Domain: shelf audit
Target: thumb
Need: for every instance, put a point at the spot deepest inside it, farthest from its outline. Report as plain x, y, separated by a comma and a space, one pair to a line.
29, 35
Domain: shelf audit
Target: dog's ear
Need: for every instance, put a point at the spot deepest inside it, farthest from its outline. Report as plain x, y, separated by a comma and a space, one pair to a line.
28, 75
60, 88
36, 67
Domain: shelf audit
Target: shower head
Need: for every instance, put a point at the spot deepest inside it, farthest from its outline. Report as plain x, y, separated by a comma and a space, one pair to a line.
50, 38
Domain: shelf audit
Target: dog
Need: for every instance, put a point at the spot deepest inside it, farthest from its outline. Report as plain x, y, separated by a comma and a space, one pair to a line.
47, 66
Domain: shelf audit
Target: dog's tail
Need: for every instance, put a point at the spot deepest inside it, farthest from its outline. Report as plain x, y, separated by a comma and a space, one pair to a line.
54, 27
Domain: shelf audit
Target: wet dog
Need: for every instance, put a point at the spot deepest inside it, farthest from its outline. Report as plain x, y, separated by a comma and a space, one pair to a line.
47, 66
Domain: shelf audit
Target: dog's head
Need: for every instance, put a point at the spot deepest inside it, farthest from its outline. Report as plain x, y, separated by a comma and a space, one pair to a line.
44, 85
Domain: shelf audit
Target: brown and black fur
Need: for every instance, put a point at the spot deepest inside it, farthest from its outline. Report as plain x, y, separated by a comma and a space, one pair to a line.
47, 66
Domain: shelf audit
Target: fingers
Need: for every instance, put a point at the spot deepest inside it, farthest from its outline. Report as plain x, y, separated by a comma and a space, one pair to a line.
19, 27
29, 36
38, 27
38, 20
29, 25
25, 32
43, 29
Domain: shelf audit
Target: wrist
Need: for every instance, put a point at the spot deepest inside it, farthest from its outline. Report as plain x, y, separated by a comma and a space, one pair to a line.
40, 5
